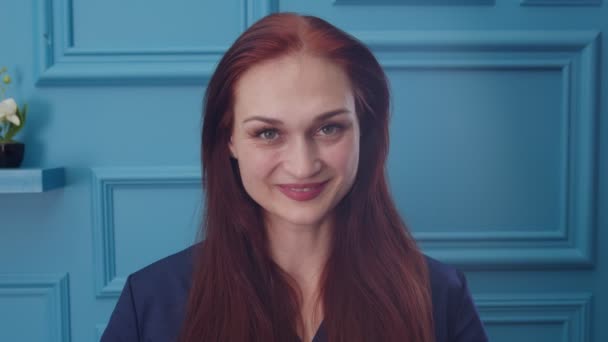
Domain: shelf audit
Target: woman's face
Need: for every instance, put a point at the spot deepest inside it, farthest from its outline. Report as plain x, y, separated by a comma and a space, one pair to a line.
296, 137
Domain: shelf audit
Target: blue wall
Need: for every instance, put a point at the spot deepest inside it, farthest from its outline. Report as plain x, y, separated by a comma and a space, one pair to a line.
498, 149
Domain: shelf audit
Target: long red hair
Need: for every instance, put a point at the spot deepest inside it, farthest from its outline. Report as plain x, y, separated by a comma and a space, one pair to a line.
375, 284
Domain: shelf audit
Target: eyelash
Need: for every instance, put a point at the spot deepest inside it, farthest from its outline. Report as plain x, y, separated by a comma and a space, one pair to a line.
258, 133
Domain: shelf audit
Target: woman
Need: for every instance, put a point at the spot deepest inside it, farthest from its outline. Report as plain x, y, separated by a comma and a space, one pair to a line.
303, 241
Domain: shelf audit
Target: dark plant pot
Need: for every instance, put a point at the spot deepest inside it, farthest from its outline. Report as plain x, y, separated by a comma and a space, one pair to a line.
11, 154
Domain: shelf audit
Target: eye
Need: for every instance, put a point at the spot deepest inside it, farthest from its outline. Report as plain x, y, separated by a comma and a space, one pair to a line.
268, 134
331, 129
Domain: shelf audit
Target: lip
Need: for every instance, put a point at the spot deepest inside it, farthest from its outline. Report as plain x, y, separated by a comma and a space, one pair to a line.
290, 191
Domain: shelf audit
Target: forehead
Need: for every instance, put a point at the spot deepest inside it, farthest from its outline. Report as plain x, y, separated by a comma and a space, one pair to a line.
293, 86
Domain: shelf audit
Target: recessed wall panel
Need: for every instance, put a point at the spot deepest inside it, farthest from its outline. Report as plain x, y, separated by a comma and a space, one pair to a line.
536, 317
24, 318
140, 215
34, 307
137, 42
154, 24
479, 150
166, 217
518, 180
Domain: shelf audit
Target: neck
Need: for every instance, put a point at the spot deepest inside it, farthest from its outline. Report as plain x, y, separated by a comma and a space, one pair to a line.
300, 250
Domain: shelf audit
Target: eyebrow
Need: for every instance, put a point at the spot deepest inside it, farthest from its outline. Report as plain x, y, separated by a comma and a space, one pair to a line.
320, 117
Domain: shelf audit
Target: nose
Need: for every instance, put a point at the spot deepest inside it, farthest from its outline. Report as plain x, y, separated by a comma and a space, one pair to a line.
301, 159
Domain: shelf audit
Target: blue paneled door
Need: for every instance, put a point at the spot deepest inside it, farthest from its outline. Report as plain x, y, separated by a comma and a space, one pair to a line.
497, 161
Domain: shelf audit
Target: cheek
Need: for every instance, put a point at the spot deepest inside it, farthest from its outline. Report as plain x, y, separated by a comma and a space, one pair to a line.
344, 157
256, 165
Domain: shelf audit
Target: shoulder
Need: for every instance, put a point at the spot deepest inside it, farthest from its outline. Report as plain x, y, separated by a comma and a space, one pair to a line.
448, 285
447, 282
152, 303
444, 277
454, 312
165, 282
174, 270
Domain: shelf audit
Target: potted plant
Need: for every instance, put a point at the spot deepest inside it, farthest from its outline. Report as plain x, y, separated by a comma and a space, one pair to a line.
12, 120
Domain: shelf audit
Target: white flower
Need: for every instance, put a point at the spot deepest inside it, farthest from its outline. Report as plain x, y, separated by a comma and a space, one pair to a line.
8, 111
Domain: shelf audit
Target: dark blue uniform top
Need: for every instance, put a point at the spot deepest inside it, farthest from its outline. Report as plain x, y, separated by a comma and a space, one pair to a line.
152, 304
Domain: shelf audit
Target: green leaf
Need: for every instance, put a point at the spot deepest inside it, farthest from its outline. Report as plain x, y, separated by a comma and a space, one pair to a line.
22, 114
12, 130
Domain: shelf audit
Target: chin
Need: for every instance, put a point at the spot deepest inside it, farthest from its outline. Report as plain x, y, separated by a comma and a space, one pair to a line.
301, 216
305, 220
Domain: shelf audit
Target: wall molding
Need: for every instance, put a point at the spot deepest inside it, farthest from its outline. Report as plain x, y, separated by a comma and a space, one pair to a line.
561, 2
54, 288
571, 310
62, 63
415, 2
465, 2
574, 54
104, 182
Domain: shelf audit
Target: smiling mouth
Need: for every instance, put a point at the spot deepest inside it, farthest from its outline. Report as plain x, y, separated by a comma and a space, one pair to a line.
302, 192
